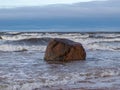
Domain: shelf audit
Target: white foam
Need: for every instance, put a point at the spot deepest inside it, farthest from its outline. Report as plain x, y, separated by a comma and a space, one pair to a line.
7, 47
64, 78
88, 43
108, 35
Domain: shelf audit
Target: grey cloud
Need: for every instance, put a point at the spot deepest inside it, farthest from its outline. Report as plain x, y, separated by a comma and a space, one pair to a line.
94, 9
107, 3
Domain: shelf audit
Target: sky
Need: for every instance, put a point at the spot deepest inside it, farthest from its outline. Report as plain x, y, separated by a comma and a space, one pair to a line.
60, 14
23, 3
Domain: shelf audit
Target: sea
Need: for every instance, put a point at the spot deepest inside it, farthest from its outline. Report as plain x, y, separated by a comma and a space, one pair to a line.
22, 64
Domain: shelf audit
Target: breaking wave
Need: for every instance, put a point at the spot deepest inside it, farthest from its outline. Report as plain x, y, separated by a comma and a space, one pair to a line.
22, 41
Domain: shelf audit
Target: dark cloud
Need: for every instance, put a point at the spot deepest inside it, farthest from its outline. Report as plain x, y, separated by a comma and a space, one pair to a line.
107, 3
110, 8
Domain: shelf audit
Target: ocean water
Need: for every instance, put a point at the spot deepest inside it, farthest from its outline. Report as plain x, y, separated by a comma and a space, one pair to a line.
22, 66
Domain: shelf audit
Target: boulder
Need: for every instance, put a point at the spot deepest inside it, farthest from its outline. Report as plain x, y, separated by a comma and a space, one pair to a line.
0, 37
60, 49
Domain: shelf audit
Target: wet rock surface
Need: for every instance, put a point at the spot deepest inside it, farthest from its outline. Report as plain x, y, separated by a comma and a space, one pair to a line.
60, 49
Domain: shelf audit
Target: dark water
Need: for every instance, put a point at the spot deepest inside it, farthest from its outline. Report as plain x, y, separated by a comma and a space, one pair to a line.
22, 66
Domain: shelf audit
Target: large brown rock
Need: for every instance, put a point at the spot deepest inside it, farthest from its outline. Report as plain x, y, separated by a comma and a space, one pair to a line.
64, 50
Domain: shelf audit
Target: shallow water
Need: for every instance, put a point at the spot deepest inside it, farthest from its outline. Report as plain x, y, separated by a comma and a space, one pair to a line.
26, 70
